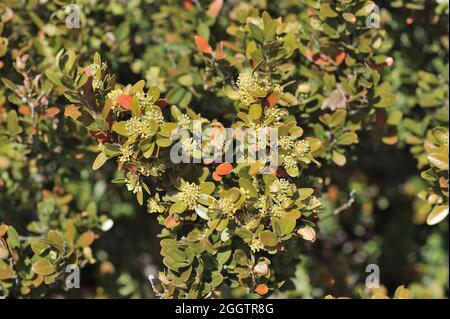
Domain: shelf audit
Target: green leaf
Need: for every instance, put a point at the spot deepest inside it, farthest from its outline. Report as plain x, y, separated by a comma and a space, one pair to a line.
270, 26
257, 33
12, 124
37, 246
56, 238
111, 150
349, 17
207, 188
249, 187
223, 256
327, 11
6, 272
164, 142
347, 138
439, 160
255, 111
339, 158
268, 238
287, 225
9, 84
43, 267
53, 76
437, 215
99, 161
120, 128
177, 208
202, 211
13, 238
305, 193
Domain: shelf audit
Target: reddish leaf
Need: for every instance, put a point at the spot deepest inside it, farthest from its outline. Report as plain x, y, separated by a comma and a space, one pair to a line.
216, 177
88, 72
224, 169
125, 101
220, 53
273, 99
25, 110
340, 58
187, 4
52, 111
214, 8
231, 46
262, 289
162, 102
171, 222
203, 45
72, 112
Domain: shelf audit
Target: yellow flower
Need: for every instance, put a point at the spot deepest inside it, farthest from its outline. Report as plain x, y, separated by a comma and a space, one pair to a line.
289, 161
286, 143
249, 89
277, 211
153, 205
154, 112
190, 193
134, 185
226, 206
144, 99
113, 95
127, 151
256, 245
250, 221
184, 121
302, 148
134, 126
94, 68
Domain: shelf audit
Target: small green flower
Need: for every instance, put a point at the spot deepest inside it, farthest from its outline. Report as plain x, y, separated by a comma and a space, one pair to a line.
256, 245
190, 193
250, 90
113, 95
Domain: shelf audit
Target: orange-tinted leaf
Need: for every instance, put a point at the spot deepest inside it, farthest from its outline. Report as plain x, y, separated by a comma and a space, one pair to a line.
308, 54
220, 53
72, 112
231, 46
125, 101
262, 289
340, 58
187, 4
321, 60
88, 71
202, 45
171, 222
216, 177
214, 8
273, 98
86, 238
52, 111
224, 169
25, 110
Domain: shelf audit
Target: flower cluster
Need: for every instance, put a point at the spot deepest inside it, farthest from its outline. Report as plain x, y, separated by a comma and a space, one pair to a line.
189, 195
250, 90
113, 96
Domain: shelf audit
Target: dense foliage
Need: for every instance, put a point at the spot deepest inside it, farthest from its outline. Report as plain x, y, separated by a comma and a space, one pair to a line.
361, 112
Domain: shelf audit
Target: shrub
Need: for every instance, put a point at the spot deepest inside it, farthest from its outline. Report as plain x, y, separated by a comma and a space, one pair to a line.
330, 83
